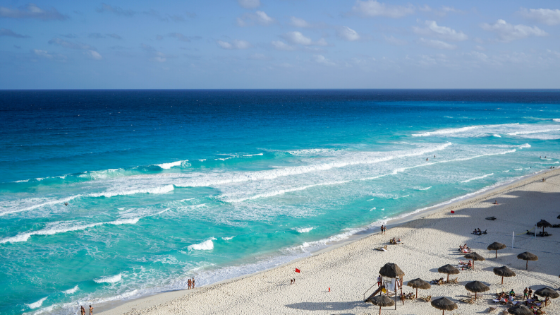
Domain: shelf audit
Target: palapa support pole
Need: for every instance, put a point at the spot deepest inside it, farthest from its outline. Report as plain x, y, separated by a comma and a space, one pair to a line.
502, 279
475, 296
416, 292
379, 310
526, 265
395, 293
496, 253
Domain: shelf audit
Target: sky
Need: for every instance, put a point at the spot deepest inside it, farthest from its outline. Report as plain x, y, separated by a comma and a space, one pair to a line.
279, 44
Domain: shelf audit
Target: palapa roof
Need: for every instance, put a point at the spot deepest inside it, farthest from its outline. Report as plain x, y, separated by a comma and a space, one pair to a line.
558, 217
476, 286
527, 256
391, 270
520, 309
504, 272
547, 292
496, 246
474, 256
444, 304
419, 284
448, 269
381, 300
543, 223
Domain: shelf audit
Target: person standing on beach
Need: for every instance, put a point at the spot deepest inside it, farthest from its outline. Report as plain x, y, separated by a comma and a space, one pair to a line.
90, 310
379, 281
193, 282
82, 310
189, 283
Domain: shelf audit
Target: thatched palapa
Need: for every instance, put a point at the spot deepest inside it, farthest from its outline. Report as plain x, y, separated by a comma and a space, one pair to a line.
444, 304
419, 284
520, 309
496, 246
476, 287
543, 224
504, 272
391, 270
474, 256
527, 256
381, 300
547, 293
449, 270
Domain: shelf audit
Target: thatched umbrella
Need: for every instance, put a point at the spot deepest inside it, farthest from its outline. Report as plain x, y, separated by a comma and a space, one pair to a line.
418, 284
474, 256
527, 256
547, 293
444, 304
476, 286
496, 246
520, 309
558, 217
449, 270
543, 224
391, 270
504, 272
381, 300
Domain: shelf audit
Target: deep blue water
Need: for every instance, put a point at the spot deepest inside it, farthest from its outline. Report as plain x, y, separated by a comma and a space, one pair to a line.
163, 185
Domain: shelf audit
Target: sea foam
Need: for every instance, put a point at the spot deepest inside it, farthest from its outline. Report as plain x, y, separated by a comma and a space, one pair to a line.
167, 166
109, 279
206, 245
36, 304
71, 291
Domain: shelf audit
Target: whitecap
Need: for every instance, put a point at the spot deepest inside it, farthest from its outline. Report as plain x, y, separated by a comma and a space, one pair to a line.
206, 245
425, 188
249, 155
167, 166
153, 190
556, 120
37, 304
71, 291
109, 279
227, 238
304, 230
476, 178
497, 135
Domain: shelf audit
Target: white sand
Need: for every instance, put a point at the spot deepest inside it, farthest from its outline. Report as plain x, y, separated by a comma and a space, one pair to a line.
429, 242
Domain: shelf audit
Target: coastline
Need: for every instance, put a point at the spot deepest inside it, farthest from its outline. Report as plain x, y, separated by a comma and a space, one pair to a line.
153, 303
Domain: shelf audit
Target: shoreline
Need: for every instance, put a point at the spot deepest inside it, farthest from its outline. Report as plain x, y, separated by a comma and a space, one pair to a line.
368, 231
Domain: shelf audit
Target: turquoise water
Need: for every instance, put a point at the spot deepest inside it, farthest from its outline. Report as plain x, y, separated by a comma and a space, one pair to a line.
109, 195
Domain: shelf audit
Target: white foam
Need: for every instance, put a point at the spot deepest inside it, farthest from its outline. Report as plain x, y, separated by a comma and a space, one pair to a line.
524, 146
426, 188
538, 131
305, 152
109, 279
556, 120
37, 304
446, 131
249, 155
527, 132
63, 227
71, 291
497, 135
476, 178
206, 245
227, 238
40, 205
304, 230
153, 190
167, 166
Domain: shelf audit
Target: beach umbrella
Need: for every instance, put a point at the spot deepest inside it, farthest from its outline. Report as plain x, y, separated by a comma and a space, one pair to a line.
543, 224
476, 286
504, 272
496, 246
381, 300
449, 270
444, 304
547, 293
527, 256
474, 256
391, 270
520, 309
418, 284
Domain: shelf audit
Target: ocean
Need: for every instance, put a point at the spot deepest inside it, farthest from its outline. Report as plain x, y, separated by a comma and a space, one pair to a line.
111, 195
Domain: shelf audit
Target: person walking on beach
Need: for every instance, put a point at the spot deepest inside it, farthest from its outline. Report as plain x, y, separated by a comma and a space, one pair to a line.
193, 282
90, 310
382, 229
189, 283
82, 310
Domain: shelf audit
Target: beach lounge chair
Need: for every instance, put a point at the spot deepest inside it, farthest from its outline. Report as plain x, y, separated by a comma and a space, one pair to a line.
454, 281
426, 298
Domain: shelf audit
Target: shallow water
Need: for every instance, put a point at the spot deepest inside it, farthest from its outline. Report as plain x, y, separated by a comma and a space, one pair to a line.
117, 194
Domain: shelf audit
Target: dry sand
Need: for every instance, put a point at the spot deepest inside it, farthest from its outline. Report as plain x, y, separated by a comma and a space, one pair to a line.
429, 242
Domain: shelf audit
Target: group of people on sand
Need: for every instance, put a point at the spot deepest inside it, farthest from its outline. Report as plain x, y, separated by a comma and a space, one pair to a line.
83, 310
477, 231
293, 281
464, 249
383, 229
467, 265
395, 241
191, 283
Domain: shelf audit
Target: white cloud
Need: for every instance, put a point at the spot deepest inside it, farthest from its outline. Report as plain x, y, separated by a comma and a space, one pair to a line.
323, 60
249, 4
297, 22
258, 17
42, 53
436, 44
300, 39
297, 38
545, 16
94, 55
160, 57
31, 11
372, 8
348, 34
439, 12
280, 45
395, 41
68, 44
508, 32
442, 32
235, 44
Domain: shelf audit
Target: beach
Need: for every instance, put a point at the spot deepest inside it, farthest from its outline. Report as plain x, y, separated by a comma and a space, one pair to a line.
336, 280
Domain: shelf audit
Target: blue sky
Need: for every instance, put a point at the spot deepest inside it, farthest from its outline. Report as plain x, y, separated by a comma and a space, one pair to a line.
254, 44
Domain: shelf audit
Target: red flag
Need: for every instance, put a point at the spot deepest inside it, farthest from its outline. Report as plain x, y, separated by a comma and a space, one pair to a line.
298, 271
